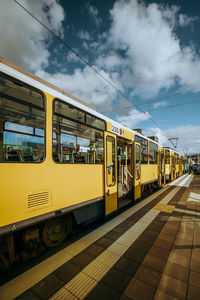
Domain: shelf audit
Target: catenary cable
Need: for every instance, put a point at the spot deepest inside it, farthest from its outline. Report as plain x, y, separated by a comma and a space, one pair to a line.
88, 64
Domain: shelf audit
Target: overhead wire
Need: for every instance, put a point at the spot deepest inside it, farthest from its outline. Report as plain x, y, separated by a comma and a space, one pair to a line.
167, 97
87, 63
150, 102
103, 77
183, 145
175, 105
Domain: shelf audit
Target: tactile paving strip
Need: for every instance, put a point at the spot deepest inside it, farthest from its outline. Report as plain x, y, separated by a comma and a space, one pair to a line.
111, 255
164, 207
29, 278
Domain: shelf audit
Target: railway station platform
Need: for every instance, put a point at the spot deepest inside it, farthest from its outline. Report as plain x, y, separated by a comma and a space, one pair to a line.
149, 251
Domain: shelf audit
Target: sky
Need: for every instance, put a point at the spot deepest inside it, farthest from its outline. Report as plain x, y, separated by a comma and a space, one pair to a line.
149, 50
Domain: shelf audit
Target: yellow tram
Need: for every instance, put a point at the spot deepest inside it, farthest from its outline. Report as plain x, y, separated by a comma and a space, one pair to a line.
61, 161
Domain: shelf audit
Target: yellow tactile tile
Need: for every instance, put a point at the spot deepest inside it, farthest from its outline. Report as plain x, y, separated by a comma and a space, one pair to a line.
63, 294
80, 285
18, 285
110, 225
164, 207
170, 195
96, 270
106, 260
21, 283
117, 248
128, 242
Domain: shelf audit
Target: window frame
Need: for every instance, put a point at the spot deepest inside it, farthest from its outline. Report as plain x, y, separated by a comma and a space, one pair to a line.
177, 158
136, 160
115, 151
138, 139
77, 121
28, 86
167, 157
153, 162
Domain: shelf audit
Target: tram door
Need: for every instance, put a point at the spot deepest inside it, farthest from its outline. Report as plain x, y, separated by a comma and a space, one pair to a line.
110, 173
161, 167
137, 170
124, 172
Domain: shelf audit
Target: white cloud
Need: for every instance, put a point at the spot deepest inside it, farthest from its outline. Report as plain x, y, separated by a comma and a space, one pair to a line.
184, 20
85, 45
94, 13
146, 54
132, 118
84, 35
145, 33
85, 85
162, 137
160, 104
72, 57
110, 61
188, 137
23, 40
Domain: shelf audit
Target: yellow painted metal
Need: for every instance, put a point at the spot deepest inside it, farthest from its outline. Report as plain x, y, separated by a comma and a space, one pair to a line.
177, 169
120, 170
124, 133
167, 169
110, 173
109, 126
60, 180
126, 169
172, 165
137, 173
149, 173
128, 135
162, 165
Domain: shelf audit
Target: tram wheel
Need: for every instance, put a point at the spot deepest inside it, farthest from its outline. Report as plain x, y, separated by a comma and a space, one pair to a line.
56, 230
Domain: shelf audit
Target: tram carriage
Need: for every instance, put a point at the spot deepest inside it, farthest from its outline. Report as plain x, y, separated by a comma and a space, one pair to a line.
61, 162
169, 164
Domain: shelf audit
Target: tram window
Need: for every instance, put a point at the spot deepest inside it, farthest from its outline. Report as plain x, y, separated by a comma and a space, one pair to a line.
144, 149
14, 89
75, 142
22, 122
167, 157
177, 158
95, 122
67, 110
153, 150
137, 154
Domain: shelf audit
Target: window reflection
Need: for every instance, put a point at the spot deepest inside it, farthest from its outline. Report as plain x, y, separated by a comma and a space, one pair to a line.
144, 149
75, 142
153, 150
22, 122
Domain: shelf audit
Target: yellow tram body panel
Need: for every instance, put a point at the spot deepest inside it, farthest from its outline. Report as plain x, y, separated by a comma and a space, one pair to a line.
31, 189
167, 169
149, 173
170, 164
66, 185
49, 185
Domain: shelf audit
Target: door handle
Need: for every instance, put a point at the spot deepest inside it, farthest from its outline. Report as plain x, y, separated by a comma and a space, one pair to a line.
108, 192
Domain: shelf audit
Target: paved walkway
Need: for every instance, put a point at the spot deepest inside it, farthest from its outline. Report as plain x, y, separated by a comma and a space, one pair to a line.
150, 251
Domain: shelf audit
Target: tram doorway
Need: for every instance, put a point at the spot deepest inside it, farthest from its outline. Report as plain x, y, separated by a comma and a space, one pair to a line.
124, 172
